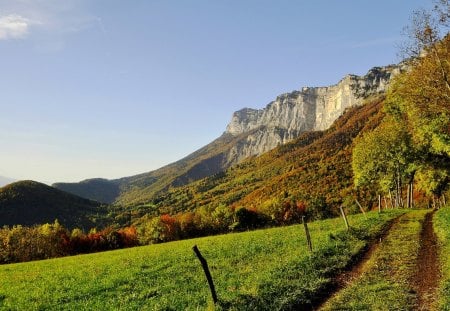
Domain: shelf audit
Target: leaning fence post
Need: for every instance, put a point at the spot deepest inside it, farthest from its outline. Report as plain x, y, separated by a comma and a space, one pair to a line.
361, 208
308, 237
345, 217
207, 273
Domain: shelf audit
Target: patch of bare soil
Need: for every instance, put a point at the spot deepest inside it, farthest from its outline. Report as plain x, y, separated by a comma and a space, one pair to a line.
426, 280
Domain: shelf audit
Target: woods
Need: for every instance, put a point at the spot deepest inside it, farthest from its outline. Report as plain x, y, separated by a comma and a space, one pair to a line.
411, 147
20, 243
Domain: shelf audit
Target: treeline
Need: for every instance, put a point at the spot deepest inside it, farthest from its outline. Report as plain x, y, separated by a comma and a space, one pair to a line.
206, 221
20, 243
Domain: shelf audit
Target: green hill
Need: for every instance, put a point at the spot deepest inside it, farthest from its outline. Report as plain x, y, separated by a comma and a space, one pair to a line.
30, 202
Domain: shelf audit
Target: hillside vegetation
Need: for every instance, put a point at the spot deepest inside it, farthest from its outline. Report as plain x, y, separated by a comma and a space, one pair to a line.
29, 203
260, 270
315, 169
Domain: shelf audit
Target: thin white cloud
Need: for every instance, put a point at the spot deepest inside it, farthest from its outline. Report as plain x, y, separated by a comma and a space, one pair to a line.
47, 23
14, 26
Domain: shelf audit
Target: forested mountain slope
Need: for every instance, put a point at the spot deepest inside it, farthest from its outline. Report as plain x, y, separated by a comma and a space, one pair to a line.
30, 203
314, 168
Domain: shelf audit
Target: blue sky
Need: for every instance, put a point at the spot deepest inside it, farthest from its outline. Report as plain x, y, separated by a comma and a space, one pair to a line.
109, 88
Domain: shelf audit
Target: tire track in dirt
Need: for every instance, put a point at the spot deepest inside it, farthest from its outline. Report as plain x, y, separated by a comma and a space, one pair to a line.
347, 277
426, 280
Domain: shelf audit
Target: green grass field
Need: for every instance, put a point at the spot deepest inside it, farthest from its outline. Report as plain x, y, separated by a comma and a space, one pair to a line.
442, 228
265, 269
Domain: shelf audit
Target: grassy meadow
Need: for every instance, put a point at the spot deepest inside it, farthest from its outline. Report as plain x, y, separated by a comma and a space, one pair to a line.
265, 269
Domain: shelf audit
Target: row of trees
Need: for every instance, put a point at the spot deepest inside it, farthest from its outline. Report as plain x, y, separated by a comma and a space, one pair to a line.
412, 145
221, 219
20, 243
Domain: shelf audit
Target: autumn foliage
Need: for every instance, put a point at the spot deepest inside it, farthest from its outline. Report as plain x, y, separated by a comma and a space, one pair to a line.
20, 243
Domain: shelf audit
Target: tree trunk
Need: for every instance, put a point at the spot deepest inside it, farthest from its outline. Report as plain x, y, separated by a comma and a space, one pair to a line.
441, 68
399, 189
391, 199
408, 197
379, 203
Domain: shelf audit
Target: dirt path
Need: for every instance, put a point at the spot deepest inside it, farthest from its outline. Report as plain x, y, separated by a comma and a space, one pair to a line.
426, 280
407, 264
348, 276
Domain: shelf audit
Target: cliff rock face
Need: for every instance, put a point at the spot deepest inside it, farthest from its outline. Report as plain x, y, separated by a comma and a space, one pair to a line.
251, 132
309, 109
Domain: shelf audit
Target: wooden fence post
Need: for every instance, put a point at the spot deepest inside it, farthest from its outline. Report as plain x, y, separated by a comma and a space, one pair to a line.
207, 273
361, 208
308, 237
379, 203
345, 218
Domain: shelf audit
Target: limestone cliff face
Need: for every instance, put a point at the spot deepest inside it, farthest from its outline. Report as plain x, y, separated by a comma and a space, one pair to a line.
251, 132
311, 108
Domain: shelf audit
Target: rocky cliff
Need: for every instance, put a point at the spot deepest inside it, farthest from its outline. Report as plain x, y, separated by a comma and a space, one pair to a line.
251, 132
308, 109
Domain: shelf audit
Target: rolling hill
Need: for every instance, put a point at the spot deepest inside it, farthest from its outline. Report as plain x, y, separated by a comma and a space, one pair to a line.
30, 203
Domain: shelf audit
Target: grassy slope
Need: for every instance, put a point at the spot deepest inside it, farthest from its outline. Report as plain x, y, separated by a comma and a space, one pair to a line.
264, 269
385, 284
442, 228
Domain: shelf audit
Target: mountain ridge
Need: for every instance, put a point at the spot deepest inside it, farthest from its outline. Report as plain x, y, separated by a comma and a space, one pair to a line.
250, 132
314, 169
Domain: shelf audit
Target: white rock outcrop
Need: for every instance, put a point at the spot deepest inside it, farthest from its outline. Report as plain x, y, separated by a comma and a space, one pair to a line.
311, 108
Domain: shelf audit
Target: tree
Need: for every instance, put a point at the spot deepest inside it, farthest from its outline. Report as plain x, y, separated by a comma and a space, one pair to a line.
384, 157
422, 97
414, 137
222, 217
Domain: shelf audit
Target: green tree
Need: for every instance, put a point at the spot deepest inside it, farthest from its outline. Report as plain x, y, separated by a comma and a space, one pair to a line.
384, 158
420, 99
